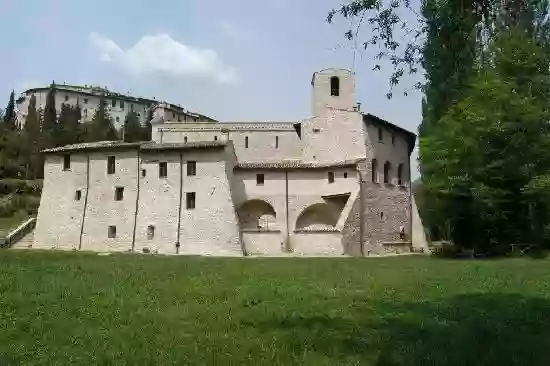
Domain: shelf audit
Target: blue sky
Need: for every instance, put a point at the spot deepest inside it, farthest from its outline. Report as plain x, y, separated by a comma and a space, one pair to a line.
234, 60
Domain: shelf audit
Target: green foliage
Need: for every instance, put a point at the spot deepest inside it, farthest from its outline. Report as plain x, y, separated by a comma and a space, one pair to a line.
486, 159
101, 127
49, 118
9, 113
34, 141
132, 128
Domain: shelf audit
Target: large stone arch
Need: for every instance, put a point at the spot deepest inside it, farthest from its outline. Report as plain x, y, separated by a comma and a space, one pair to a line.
257, 214
319, 216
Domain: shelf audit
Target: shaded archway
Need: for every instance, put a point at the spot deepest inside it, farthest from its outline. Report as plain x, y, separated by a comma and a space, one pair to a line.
319, 216
257, 214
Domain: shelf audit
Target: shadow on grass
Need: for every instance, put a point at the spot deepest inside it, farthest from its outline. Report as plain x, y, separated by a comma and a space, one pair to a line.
482, 329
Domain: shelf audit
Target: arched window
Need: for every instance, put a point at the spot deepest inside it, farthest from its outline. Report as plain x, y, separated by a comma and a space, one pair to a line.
374, 171
400, 174
387, 171
335, 86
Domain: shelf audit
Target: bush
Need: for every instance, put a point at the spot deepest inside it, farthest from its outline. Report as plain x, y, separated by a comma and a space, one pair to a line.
444, 249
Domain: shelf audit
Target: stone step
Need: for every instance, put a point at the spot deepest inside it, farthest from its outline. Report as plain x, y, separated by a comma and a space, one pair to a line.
25, 242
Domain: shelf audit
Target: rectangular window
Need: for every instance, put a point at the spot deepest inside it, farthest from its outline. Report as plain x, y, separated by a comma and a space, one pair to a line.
190, 200
246, 142
260, 179
113, 103
66, 98
191, 168
163, 169
143, 172
85, 100
119, 193
276, 142
173, 115
392, 139
331, 177
110, 165
111, 231
78, 195
380, 134
66, 162
121, 104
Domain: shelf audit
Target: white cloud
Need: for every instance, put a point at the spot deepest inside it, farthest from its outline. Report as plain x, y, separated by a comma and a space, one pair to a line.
164, 55
232, 31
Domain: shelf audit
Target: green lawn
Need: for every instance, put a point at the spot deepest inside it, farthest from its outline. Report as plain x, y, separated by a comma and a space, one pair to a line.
84, 309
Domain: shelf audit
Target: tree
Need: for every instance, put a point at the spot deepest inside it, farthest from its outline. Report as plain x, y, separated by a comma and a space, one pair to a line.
49, 117
66, 129
33, 141
488, 192
402, 43
146, 130
9, 113
101, 127
132, 130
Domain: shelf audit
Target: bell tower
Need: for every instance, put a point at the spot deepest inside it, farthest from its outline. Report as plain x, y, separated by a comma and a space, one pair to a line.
332, 88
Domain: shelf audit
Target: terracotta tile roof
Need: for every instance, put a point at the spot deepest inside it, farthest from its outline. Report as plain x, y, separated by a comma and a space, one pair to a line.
297, 164
147, 145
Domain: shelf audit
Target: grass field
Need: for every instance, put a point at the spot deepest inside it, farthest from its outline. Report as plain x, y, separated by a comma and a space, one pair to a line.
77, 308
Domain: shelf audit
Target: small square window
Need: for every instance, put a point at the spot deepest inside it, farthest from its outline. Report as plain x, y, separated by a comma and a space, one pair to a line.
191, 168
163, 169
260, 179
150, 232
345, 174
85, 100
110, 165
117, 119
111, 231
190, 200
66, 162
316, 130
119, 193
78, 195
66, 98
143, 172
331, 177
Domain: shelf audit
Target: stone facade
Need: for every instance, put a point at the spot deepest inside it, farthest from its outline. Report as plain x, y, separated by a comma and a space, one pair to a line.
335, 184
118, 105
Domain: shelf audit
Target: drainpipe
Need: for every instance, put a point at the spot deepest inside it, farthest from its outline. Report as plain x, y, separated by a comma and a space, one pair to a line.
179, 204
287, 237
361, 212
85, 200
137, 202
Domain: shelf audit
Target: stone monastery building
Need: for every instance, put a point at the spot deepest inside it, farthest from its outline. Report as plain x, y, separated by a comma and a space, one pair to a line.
336, 183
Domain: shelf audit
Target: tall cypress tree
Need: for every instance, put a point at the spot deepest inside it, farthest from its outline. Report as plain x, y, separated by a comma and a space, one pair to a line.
33, 141
101, 127
132, 128
9, 113
49, 119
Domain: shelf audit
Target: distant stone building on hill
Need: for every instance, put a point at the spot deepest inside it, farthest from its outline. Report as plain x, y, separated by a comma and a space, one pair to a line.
118, 105
335, 184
